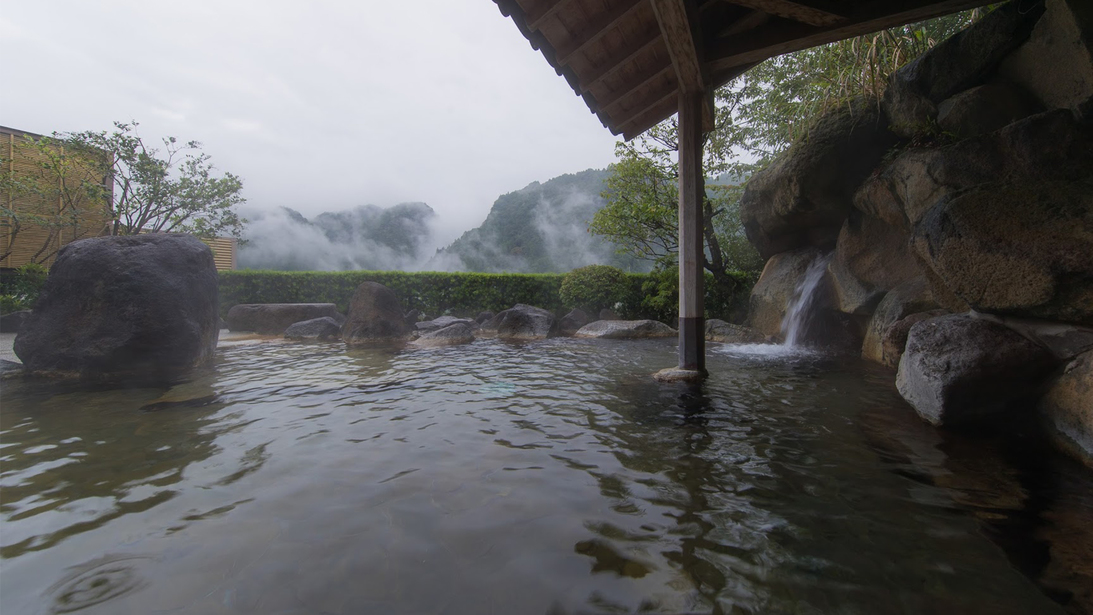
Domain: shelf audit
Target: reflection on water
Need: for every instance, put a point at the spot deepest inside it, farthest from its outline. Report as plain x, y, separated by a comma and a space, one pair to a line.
550, 477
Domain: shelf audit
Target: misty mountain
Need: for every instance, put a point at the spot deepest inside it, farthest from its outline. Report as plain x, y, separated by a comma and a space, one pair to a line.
366, 237
541, 228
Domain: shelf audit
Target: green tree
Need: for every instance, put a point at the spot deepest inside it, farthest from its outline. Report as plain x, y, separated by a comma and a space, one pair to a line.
175, 189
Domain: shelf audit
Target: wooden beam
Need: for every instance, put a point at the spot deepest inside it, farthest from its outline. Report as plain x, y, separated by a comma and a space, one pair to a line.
793, 10
649, 99
651, 74
692, 330
649, 117
596, 30
675, 27
536, 18
753, 19
787, 36
622, 57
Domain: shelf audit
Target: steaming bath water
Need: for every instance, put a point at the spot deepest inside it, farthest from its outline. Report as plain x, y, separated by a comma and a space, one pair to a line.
551, 477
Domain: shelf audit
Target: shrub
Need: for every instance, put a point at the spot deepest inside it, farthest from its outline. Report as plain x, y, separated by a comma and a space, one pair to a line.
594, 288
20, 287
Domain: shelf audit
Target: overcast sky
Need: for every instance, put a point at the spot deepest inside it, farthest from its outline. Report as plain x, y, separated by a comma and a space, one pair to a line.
317, 105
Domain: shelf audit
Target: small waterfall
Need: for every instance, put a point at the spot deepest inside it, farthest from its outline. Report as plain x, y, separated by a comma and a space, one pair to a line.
800, 304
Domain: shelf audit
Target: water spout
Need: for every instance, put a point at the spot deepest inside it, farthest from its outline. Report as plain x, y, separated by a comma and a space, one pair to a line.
799, 307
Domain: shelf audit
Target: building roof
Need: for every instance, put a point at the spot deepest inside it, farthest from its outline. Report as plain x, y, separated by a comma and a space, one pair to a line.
630, 59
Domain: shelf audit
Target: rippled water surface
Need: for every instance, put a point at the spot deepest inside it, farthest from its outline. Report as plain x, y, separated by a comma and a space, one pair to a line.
551, 477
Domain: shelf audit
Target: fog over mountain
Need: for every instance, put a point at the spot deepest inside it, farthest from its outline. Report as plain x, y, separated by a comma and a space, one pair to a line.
540, 228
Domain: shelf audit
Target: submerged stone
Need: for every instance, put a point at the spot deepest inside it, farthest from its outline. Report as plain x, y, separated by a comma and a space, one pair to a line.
325, 328
625, 329
452, 335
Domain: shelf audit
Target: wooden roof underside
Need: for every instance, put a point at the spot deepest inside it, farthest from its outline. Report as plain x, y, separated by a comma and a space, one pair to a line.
629, 59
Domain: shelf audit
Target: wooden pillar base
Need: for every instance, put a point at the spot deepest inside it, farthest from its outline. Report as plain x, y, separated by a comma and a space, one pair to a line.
675, 374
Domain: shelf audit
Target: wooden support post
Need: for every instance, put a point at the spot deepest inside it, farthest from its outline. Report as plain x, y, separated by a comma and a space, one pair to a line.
692, 329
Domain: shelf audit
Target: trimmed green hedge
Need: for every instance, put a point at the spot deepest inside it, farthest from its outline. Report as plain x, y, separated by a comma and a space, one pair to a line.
431, 292
465, 294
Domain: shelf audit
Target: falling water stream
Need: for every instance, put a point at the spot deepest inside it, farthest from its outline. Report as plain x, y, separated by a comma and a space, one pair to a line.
800, 305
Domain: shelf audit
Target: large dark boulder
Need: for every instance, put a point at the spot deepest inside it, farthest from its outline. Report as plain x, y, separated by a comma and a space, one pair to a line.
802, 198
520, 322
141, 307
625, 329
908, 298
451, 335
375, 317
1021, 249
274, 318
12, 322
321, 329
958, 369
984, 109
962, 61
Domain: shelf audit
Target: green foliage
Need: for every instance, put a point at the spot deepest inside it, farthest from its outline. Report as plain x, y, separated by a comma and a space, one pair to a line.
174, 190
593, 288
659, 295
19, 288
458, 293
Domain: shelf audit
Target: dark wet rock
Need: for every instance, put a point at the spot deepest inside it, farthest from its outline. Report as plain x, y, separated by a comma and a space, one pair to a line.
451, 335
803, 197
876, 252
142, 307
607, 314
1056, 63
958, 370
728, 333
572, 322
1064, 341
12, 322
1019, 249
851, 295
1068, 406
325, 328
962, 61
274, 318
626, 329
782, 273
375, 317
441, 322
520, 322
898, 303
484, 317
894, 340
984, 109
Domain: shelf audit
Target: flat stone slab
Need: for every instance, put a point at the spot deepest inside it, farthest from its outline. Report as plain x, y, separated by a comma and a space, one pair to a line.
625, 329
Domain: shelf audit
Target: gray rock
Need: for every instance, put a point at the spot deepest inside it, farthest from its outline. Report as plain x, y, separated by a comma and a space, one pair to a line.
728, 333
484, 317
802, 198
520, 322
851, 296
375, 317
451, 335
626, 329
441, 322
782, 273
1019, 249
141, 307
962, 61
900, 302
958, 369
572, 322
1055, 63
10, 369
12, 322
1068, 406
325, 328
984, 109
1064, 341
274, 318
894, 340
